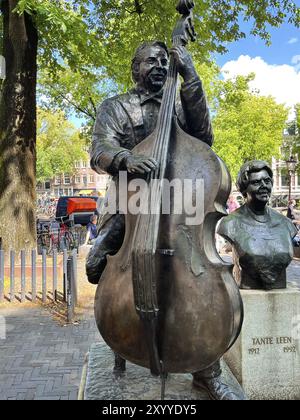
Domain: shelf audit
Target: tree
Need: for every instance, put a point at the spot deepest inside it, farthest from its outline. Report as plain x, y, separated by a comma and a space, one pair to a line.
124, 24
293, 131
81, 33
21, 31
17, 129
75, 93
59, 145
247, 126
291, 139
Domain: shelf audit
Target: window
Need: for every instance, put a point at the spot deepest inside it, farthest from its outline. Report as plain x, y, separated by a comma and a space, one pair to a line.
77, 164
284, 178
83, 164
67, 179
47, 185
68, 191
77, 179
57, 180
92, 179
84, 179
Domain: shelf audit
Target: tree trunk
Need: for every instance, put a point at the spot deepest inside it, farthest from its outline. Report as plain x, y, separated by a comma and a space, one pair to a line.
18, 130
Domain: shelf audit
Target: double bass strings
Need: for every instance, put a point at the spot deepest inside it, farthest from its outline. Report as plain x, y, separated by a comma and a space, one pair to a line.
147, 225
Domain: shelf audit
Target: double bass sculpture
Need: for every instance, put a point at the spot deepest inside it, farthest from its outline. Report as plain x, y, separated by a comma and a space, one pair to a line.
166, 300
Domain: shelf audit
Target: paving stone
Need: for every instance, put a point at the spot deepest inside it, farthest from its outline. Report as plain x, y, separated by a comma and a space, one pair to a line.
40, 359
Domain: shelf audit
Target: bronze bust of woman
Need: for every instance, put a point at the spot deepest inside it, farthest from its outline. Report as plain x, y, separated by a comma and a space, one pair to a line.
261, 237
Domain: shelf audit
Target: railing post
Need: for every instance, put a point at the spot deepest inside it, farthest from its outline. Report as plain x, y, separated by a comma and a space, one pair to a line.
70, 290
75, 284
65, 286
12, 275
33, 275
44, 275
54, 260
1, 275
23, 275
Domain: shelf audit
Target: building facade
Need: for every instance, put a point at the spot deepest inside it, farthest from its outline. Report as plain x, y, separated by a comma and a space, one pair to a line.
84, 181
282, 180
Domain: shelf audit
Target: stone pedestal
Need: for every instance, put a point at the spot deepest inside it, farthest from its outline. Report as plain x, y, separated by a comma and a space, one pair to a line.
99, 383
266, 357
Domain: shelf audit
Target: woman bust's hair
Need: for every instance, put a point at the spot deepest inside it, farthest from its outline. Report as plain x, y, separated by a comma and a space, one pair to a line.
248, 168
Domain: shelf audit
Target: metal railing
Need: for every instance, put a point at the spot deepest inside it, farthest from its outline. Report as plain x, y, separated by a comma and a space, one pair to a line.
29, 277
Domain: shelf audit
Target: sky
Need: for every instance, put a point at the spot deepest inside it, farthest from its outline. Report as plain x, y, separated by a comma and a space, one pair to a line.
277, 67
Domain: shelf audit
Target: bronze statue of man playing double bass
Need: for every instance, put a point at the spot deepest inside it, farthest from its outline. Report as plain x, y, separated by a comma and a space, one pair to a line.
123, 122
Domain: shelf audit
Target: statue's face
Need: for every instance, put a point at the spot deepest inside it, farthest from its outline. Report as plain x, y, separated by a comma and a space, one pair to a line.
153, 69
259, 188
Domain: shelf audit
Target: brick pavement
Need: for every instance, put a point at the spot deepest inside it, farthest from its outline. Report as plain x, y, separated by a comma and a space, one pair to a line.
41, 359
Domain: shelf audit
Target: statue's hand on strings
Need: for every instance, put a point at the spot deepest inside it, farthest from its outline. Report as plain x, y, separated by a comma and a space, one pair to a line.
184, 63
137, 164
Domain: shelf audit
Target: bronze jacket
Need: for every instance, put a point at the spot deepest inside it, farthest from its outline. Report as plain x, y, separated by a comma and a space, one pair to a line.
125, 120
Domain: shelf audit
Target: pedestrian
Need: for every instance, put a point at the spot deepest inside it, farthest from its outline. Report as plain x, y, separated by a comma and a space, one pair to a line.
291, 210
91, 230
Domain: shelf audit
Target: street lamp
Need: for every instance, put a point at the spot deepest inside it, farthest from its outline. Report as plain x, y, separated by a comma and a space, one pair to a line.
291, 166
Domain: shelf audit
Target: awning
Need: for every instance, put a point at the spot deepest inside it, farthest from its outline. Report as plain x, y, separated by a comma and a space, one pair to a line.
84, 192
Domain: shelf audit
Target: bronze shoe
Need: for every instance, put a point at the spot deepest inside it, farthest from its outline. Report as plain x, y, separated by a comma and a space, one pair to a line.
216, 389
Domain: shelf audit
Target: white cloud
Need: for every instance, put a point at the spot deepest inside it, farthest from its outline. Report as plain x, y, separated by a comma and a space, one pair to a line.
280, 81
293, 41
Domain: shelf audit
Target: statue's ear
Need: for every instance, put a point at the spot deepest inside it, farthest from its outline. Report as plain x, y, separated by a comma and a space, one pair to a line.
135, 71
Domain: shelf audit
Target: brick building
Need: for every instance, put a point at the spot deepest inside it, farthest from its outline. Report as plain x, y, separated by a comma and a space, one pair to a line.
84, 181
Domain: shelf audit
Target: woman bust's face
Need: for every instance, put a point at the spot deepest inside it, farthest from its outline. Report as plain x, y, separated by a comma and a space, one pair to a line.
259, 188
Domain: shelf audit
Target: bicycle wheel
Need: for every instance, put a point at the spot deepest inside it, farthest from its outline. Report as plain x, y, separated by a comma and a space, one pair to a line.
66, 241
70, 240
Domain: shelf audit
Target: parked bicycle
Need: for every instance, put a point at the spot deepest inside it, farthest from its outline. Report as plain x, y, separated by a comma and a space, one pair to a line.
59, 236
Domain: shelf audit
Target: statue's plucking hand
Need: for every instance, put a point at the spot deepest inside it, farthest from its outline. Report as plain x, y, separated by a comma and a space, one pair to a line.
137, 164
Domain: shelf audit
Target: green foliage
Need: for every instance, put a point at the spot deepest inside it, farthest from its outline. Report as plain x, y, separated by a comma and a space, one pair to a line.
210, 77
63, 34
77, 93
124, 24
291, 144
105, 33
59, 145
78, 36
247, 126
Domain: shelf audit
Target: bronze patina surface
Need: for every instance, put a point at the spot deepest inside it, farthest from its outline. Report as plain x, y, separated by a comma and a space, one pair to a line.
124, 134
261, 237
